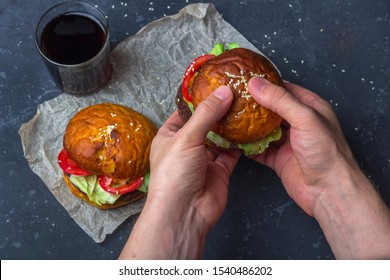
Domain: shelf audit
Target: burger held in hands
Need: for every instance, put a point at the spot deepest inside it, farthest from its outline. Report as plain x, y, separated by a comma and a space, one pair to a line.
247, 125
105, 158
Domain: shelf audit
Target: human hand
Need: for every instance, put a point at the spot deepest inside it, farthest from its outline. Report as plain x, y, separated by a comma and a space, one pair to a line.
184, 172
188, 185
313, 147
320, 174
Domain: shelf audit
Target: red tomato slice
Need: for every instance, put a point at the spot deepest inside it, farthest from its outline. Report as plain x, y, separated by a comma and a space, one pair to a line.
190, 73
69, 166
105, 183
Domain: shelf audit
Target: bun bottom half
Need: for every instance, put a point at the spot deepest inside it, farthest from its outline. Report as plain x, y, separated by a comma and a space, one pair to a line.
122, 200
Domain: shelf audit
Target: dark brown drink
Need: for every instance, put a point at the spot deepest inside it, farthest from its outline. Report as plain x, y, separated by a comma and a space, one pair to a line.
73, 39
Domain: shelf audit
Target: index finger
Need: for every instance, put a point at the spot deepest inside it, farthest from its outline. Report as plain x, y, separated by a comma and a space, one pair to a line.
173, 124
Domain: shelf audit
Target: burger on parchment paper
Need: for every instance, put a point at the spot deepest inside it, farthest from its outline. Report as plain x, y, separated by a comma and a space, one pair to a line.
105, 158
247, 125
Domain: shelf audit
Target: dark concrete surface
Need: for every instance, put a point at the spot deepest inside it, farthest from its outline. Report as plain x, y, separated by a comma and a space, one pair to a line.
339, 49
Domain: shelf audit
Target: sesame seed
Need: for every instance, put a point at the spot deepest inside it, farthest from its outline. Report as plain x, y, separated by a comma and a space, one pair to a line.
237, 80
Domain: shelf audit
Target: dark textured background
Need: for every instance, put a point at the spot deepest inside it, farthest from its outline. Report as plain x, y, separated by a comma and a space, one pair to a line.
339, 49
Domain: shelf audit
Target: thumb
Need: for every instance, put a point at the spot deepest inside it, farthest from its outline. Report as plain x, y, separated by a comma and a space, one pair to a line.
208, 113
277, 99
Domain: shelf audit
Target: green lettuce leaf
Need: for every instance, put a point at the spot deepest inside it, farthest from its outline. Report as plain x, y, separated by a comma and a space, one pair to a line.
145, 183
259, 146
91, 187
220, 48
233, 46
248, 149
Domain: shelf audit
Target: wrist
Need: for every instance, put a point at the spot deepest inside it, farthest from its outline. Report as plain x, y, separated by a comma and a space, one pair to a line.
353, 217
165, 232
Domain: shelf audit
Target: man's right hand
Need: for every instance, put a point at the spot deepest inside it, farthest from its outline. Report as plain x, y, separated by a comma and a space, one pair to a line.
320, 174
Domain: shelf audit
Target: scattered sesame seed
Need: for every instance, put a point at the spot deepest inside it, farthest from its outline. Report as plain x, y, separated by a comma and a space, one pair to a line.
237, 80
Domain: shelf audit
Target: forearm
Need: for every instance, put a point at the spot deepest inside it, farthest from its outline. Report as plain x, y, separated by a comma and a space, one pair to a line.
355, 221
163, 232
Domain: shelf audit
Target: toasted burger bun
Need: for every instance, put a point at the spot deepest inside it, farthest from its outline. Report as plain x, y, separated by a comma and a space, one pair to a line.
110, 139
246, 121
122, 201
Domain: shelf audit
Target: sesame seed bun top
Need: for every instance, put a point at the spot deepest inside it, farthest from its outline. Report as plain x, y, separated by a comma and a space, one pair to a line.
246, 121
110, 139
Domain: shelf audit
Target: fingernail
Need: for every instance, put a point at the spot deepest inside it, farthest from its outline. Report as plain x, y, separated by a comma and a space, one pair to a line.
257, 84
224, 93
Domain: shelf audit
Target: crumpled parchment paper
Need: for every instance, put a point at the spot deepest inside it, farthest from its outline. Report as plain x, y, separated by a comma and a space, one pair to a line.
147, 71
